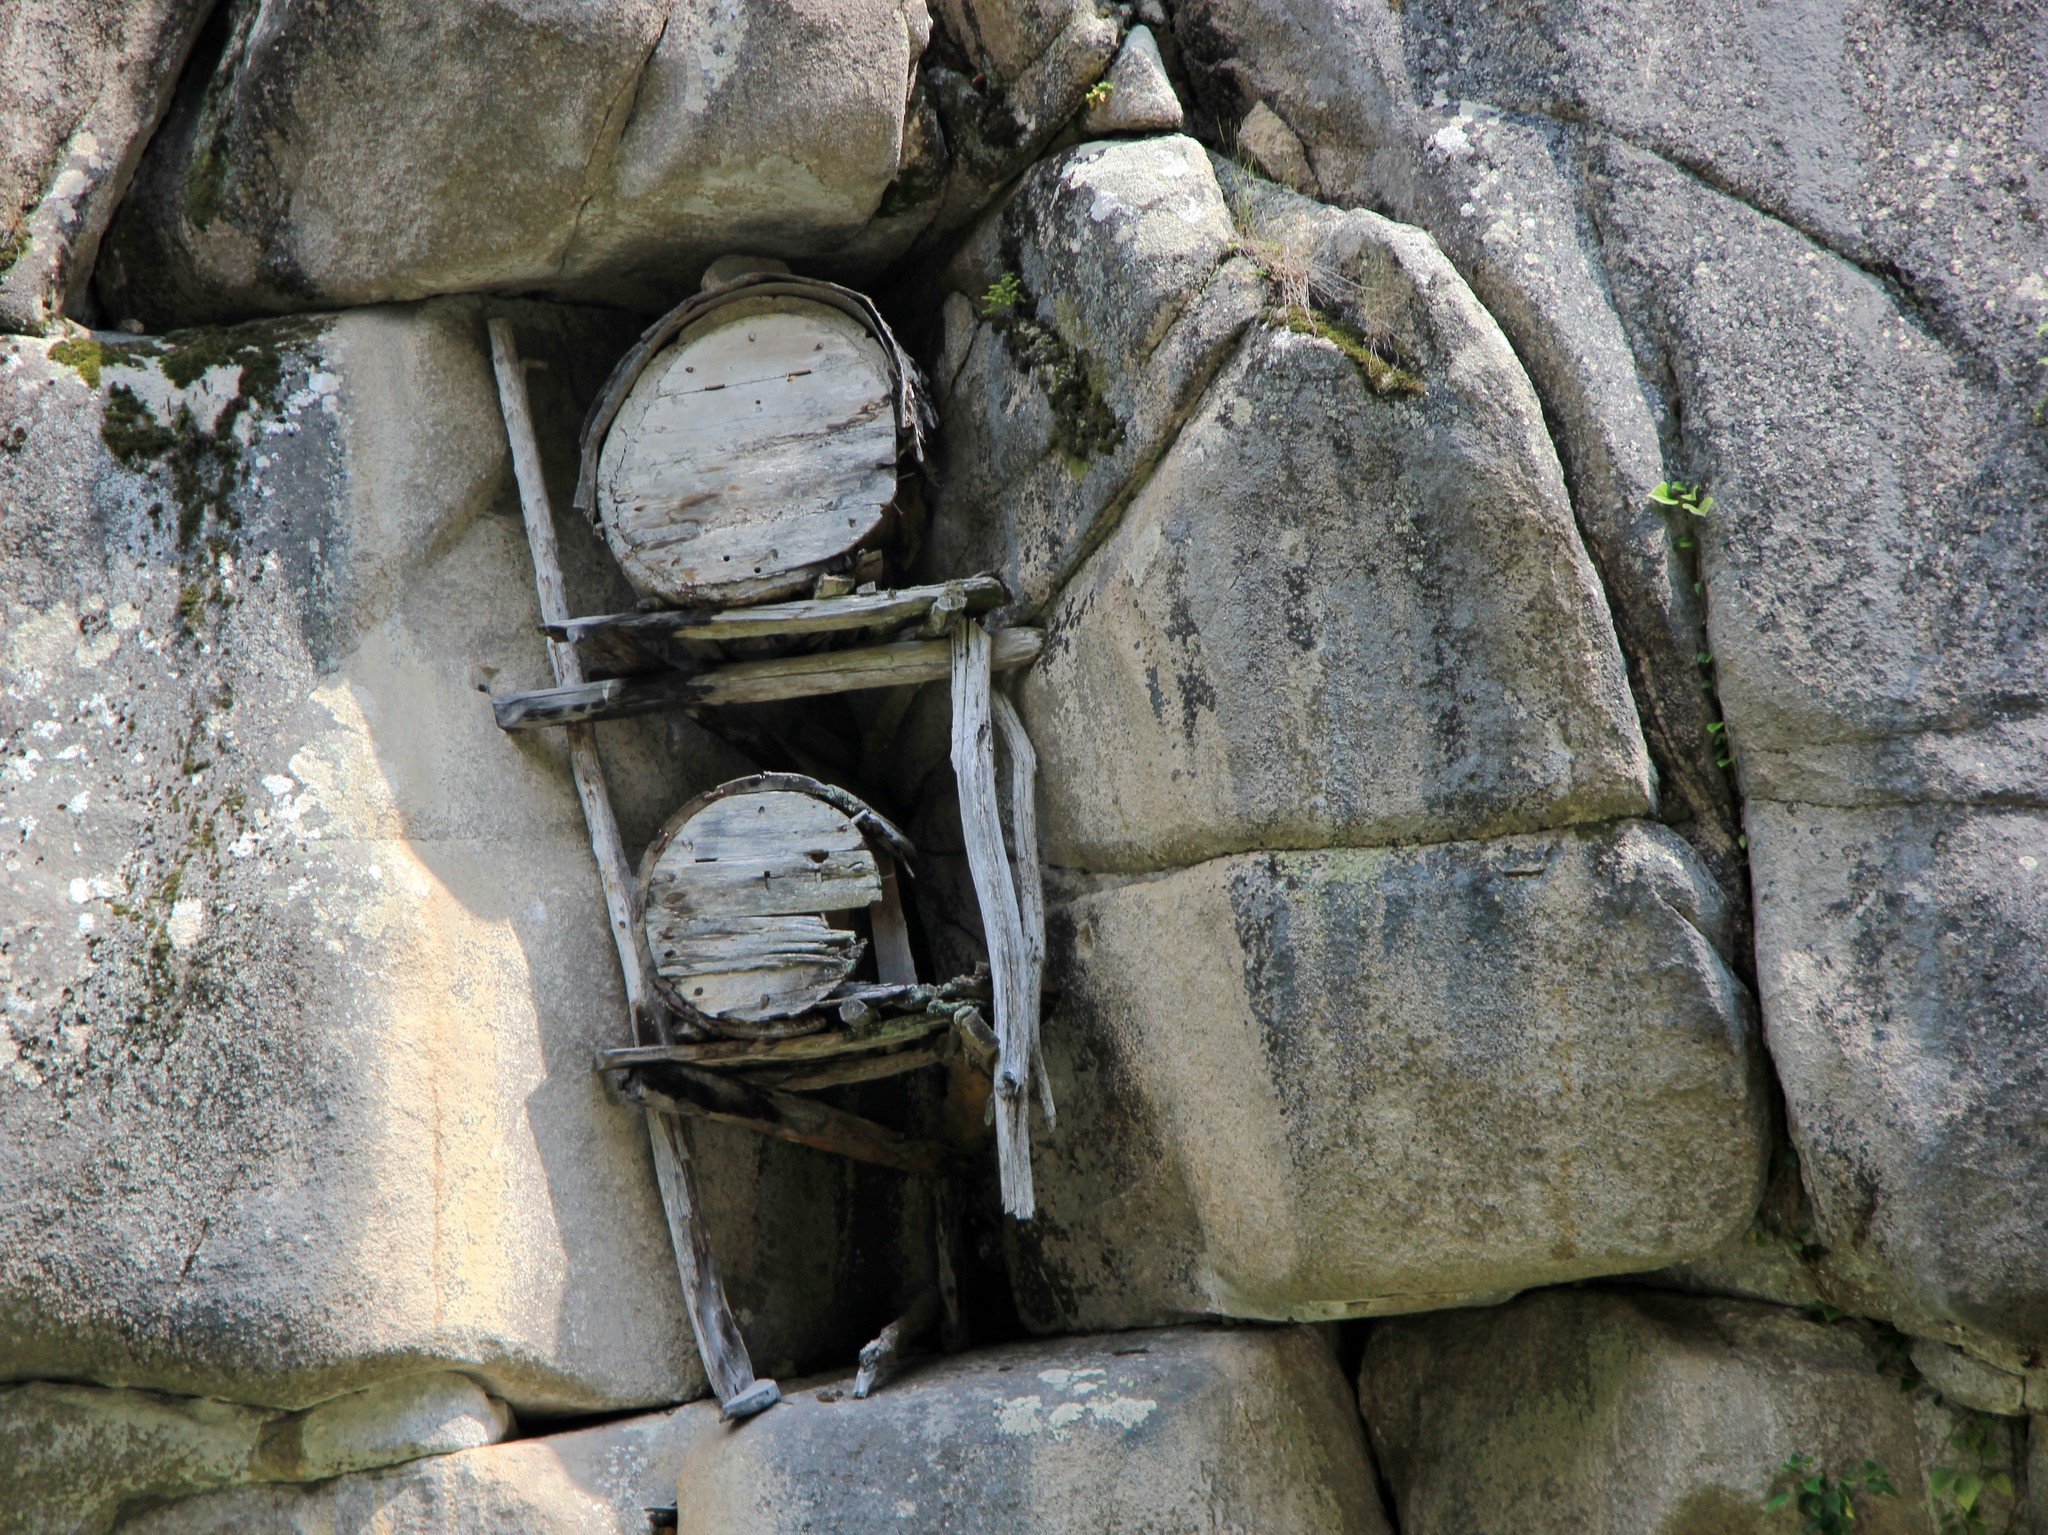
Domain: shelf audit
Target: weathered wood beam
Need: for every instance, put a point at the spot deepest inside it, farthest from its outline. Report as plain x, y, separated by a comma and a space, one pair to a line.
723, 1350
973, 752
757, 682
813, 615
691, 1093
844, 1073
806, 1050
1030, 879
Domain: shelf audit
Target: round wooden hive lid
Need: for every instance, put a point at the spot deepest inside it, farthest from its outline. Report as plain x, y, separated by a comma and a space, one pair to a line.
750, 442
735, 889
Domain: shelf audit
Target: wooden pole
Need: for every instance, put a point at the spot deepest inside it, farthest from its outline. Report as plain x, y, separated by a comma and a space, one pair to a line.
1030, 879
974, 769
724, 1351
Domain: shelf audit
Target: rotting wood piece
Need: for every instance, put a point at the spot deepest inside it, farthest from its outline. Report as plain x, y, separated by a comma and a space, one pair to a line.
737, 890
882, 1357
688, 1092
813, 615
757, 682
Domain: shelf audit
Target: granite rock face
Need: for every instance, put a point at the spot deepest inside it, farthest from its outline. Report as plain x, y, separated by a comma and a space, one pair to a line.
595, 1481
1785, 271
1601, 1412
82, 82
1900, 965
75, 1456
1147, 1432
1315, 1085
1085, 317
325, 157
305, 961
1348, 605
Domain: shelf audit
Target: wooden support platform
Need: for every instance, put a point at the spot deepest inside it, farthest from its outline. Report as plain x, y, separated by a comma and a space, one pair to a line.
755, 682
813, 615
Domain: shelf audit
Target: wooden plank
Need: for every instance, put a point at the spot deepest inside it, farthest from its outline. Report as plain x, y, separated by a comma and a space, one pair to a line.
775, 967
758, 682
787, 1117
719, 1343
809, 1050
894, 964
813, 615
1030, 879
977, 1040
973, 751
584, 703
865, 1068
757, 447
726, 1364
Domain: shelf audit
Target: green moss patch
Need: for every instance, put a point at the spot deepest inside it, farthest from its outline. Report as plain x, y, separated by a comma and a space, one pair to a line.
1084, 427
83, 355
1387, 377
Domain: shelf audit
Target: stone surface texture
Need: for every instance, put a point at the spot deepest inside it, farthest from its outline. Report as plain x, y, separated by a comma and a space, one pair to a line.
1598, 1412
1315, 1085
1147, 1432
1332, 616
1805, 269
356, 157
74, 1456
82, 83
304, 960
595, 1481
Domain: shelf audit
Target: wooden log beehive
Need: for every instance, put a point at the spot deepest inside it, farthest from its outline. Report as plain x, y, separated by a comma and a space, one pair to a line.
739, 892
750, 443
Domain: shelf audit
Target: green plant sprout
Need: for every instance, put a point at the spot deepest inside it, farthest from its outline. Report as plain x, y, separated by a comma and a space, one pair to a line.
1826, 1506
1691, 499
1098, 93
1958, 1488
1002, 295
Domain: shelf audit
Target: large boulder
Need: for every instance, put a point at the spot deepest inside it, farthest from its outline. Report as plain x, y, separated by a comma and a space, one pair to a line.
82, 84
1900, 963
1316, 1085
1830, 297
596, 1481
303, 961
1338, 612
1085, 317
1598, 1413
1149, 1432
319, 157
71, 1457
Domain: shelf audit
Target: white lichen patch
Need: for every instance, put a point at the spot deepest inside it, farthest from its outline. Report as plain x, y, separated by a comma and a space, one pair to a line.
1088, 1402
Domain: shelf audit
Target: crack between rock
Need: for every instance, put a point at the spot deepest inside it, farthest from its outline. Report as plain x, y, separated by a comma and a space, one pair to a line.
1111, 516
606, 142
1112, 879
1886, 274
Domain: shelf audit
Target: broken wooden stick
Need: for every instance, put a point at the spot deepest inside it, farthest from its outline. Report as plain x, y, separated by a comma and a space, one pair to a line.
881, 1358
723, 1350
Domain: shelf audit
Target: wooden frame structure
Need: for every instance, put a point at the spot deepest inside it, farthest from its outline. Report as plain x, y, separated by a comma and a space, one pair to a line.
679, 1069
